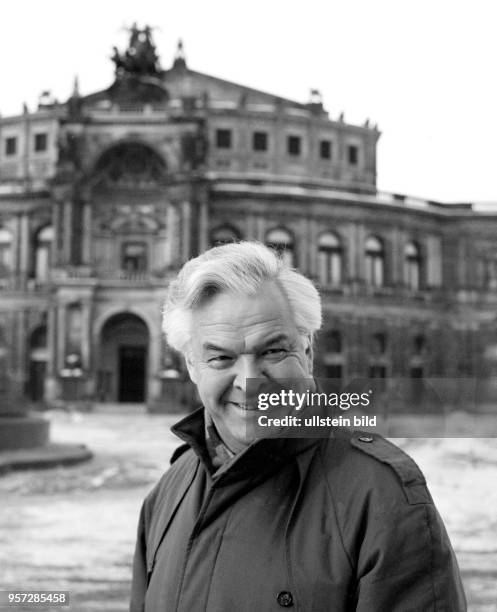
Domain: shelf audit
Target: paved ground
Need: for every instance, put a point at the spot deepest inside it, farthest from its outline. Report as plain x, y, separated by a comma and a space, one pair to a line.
73, 528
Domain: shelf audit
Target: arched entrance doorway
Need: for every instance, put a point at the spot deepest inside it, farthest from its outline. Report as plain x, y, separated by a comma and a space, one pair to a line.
122, 369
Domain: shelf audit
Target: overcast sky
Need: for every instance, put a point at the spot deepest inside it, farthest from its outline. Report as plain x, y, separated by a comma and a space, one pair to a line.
423, 70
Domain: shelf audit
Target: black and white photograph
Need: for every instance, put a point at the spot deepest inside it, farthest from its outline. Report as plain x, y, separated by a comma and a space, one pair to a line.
248, 306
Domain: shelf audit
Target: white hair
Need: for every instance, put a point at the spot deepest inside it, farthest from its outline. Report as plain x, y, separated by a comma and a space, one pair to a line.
240, 268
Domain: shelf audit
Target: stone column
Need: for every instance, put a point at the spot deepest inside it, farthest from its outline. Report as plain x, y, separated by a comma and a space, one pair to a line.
185, 230
171, 242
360, 259
52, 389
260, 228
250, 233
52, 340
55, 254
356, 241
303, 251
67, 229
349, 253
86, 349
87, 234
203, 237
433, 265
154, 360
312, 238
86, 335
61, 335
16, 239
26, 149
23, 247
20, 369
397, 271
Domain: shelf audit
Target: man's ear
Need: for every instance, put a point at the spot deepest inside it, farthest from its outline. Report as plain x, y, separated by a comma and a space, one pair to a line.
190, 366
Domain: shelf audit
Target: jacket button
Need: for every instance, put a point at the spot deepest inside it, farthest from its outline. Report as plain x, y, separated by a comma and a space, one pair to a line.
365, 439
285, 599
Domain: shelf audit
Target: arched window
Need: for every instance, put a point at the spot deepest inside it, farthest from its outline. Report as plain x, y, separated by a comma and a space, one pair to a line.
5, 252
377, 363
378, 344
412, 266
224, 235
329, 259
282, 241
419, 344
375, 262
43, 252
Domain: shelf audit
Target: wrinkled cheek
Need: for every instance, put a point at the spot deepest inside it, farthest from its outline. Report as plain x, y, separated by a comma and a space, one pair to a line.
214, 386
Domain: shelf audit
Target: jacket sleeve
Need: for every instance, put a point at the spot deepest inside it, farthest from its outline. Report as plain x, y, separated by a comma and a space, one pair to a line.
398, 548
409, 565
139, 579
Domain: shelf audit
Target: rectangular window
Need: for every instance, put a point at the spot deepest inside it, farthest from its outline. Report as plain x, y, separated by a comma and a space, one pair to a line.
41, 142
353, 155
294, 145
223, 139
325, 149
134, 257
11, 145
378, 371
333, 371
259, 141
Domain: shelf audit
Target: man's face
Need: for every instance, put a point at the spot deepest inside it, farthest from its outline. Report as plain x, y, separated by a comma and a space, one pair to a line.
236, 337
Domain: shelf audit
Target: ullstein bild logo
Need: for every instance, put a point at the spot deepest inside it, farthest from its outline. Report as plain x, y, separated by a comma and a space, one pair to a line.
316, 421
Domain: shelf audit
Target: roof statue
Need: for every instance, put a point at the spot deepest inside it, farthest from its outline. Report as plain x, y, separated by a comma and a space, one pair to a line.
140, 58
74, 104
138, 71
315, 103
315, 97
179, 58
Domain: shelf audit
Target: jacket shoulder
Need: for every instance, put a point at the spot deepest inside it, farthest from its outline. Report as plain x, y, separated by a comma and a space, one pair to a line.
373, 461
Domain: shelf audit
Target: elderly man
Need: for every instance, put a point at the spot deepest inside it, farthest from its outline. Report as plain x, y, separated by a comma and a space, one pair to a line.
240, 523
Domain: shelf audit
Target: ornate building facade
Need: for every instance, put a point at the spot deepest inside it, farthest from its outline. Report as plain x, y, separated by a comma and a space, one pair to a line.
104, 196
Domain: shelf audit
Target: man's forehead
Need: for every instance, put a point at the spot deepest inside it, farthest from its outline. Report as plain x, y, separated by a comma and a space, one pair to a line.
256, 330
243, 322
242, 310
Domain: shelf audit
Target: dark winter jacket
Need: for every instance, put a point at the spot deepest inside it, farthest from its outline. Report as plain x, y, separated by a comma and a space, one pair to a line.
337, 524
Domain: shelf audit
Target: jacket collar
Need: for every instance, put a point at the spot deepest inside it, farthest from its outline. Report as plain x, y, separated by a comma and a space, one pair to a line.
260, 458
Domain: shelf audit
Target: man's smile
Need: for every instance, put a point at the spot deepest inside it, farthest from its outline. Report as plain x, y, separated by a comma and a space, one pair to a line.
241, 406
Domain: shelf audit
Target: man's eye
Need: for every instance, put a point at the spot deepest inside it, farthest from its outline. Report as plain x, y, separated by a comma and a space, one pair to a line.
219, 361
275, 353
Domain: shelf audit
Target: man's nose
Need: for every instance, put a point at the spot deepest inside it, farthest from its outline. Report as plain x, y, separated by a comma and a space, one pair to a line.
246, 367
